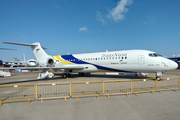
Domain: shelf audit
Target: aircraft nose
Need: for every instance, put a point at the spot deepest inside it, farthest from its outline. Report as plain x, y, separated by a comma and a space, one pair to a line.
173, 65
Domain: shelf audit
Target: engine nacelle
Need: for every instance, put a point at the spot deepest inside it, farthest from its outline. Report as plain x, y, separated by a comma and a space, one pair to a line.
47, 62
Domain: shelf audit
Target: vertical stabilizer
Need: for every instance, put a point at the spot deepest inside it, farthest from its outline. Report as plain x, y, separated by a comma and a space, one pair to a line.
38, 51
24, 57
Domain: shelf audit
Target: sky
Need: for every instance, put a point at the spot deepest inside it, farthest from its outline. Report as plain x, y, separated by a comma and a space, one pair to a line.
86, 26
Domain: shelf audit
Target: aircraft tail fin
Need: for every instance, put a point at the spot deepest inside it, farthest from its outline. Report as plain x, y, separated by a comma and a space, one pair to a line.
16, 59
36, 48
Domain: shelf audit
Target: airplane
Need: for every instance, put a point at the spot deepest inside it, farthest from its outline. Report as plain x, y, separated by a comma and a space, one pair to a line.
136, 61
26, 63
4, 64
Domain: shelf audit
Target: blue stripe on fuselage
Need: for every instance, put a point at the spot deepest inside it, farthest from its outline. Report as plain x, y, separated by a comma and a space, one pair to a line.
78, 61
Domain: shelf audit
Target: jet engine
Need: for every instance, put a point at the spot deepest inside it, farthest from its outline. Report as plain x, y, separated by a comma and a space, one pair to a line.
47, 62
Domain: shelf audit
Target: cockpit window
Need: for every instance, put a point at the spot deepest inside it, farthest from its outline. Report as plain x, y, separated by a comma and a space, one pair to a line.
159, 55
155, 55
151, 55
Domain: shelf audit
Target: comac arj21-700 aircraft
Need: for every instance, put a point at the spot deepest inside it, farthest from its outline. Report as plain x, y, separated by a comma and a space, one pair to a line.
118, 61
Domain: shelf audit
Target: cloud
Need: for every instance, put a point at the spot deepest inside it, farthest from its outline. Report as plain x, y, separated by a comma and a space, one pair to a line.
117, 12
57, 7
83, 28
150, 19
100, 18
23, 36
179, 32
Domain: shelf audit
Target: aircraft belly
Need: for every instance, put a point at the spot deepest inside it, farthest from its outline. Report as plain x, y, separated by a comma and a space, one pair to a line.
87, 68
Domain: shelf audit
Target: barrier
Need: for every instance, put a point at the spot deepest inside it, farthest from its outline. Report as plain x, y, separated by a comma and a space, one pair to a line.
86, 88
19, 92
177, 72
168, 84
41, 91
144, 85
173, 72
53, 90
115, 87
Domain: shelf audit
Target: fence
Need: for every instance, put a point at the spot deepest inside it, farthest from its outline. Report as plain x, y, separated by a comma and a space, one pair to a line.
116, 87
88, 88
144, 85
41, 91
173, 72
168, 84
19, 92
53, 90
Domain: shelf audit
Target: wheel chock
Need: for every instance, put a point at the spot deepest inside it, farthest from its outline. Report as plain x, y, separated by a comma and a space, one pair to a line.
41, 101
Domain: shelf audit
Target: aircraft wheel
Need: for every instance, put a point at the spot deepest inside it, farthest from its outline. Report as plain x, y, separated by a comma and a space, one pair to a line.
65, 75
68, 75
81, 74
158, 78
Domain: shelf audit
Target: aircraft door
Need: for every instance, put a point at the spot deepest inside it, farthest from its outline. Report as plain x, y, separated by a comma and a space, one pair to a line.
141, 59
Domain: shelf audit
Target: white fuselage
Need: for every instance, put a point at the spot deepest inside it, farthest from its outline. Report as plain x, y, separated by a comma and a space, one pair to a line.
118, 61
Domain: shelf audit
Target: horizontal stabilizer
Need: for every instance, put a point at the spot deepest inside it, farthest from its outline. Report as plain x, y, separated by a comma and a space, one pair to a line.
23, 44
7, 49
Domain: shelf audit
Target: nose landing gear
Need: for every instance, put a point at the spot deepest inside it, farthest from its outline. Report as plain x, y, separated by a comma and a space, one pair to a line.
158, 74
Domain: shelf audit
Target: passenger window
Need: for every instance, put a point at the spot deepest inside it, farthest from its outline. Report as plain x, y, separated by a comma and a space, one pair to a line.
122, 57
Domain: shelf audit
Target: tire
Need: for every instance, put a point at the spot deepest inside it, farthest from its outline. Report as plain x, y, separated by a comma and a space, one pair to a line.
65, 76
68, 75
158, 78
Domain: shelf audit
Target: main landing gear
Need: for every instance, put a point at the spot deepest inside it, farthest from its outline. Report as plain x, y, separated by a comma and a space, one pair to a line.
66, 75
80, 74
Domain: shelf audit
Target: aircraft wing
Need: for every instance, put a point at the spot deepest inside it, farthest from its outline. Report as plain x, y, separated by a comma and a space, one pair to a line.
67, 67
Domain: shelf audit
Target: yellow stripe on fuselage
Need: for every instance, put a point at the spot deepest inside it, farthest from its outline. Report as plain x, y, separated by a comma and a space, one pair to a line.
100, 70
64, 61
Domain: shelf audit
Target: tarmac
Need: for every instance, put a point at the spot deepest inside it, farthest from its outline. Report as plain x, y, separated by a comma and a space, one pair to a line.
160, 106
